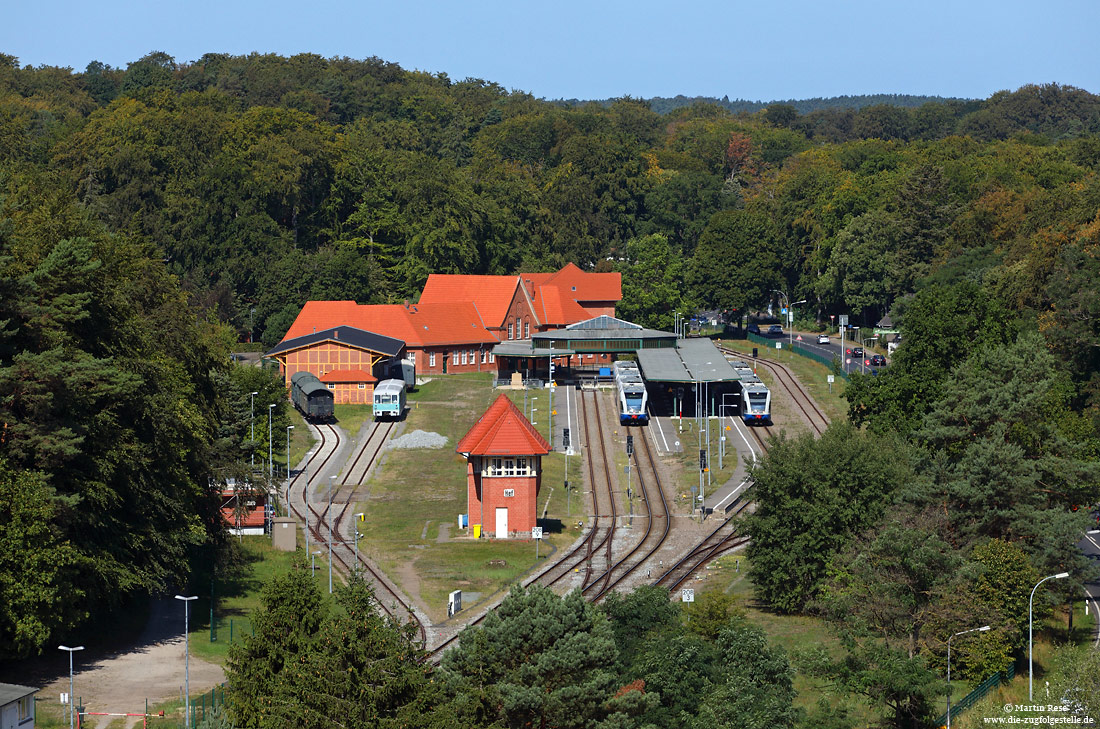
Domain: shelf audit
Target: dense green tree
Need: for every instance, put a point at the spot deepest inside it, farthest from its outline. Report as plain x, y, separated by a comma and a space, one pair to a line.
538, 659
813, 496
653, 283
940, 326
731, 269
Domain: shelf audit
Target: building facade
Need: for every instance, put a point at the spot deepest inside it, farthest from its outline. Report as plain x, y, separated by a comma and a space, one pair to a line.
503, 454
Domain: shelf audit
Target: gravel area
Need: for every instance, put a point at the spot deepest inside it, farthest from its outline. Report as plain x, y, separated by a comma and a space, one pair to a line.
419, 439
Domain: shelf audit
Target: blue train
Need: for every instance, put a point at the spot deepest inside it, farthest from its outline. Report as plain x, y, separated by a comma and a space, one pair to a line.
389, 399
630, 388
756, 399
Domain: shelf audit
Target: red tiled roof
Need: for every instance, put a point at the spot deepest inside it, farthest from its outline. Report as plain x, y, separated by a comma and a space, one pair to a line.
348, 376
420, 325
503, 431
556, 309
491, 294
587, 286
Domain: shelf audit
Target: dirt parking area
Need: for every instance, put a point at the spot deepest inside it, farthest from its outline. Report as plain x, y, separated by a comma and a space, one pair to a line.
119, 679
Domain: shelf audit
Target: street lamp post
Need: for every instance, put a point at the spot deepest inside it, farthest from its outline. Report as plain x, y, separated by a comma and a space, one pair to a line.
70, 651
186, 657
270, 461
1030, 600
252, 407
961, 632
790, 322
287, 495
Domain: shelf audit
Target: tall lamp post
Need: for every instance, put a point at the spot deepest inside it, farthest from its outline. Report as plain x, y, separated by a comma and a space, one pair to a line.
956, 635
1030, 600
790, 321
270, 462
70, 651
252, 408
186, 657
287, 496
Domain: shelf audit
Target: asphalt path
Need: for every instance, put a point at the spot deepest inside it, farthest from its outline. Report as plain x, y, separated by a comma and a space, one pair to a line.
832, 349
1090, 546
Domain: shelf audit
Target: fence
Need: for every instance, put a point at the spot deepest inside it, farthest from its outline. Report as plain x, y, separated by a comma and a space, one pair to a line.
978, 693
231, 629
799, 350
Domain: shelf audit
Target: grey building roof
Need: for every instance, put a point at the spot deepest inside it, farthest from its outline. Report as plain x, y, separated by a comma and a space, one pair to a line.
693, 360
525, 348
10, 693
347, 335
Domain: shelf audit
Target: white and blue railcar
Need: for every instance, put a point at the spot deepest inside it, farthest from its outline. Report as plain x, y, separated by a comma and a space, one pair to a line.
389, 399
630, 388
756, 399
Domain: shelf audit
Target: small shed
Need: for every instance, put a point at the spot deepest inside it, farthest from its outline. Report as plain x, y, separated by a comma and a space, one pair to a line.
16, 706
503, 454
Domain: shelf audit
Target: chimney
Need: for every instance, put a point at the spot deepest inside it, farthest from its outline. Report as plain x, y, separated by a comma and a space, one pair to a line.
335, 333
406, 303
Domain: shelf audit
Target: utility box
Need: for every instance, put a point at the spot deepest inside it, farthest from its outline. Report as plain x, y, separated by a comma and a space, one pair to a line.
284, 533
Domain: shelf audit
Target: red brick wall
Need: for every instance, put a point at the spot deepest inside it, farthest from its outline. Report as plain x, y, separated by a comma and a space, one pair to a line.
522, 508
473, 361
519, 316
599, 308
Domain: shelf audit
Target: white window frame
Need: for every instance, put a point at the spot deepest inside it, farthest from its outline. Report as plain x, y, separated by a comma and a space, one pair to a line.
484, 356
332, 385
431, 359
508, 467
510, 330
454, 357
362, 386
492, 358
463, 357
526, 330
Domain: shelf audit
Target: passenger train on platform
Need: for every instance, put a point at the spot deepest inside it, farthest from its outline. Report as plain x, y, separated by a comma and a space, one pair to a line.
756, 399
630, 388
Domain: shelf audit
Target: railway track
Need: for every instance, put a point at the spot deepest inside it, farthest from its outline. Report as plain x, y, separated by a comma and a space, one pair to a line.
658, 526
811, 413
327, 524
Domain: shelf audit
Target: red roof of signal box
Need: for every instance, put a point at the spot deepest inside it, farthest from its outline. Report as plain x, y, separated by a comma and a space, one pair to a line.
503, 431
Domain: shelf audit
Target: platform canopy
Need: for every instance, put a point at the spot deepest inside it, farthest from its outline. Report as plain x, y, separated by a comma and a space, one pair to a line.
692, 360
603, 334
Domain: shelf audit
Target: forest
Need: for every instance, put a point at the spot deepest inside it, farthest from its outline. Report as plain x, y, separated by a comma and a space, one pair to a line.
156, 216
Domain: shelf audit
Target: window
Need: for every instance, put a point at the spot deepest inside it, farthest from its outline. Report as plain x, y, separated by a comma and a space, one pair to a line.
509, 493
508, 467
510, 331
492, 357
431, 359
473, 357
454, 357
25, 705
484, 356
463, 357
331, 386
526, 330
362, 386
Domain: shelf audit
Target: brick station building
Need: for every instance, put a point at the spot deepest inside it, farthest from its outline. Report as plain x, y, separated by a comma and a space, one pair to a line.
503, 454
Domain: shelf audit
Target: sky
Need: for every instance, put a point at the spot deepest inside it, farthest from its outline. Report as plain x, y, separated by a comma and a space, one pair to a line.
760, 51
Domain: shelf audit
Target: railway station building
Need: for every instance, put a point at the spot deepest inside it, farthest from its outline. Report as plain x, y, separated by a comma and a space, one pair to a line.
455, 325
503, 454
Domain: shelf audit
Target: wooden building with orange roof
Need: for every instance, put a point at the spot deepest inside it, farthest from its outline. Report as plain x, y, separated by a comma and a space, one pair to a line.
503, 454
348, 360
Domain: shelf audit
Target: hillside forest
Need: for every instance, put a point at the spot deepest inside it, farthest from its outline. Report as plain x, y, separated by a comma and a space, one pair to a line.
154, 217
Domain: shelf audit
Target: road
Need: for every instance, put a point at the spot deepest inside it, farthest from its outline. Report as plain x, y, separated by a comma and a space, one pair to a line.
832, 349
1090, 546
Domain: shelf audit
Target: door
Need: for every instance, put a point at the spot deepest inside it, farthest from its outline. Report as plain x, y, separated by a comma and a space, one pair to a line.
502, 523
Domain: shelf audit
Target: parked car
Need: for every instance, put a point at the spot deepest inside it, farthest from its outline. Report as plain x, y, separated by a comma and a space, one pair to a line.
877, 360
822, 338
775, 331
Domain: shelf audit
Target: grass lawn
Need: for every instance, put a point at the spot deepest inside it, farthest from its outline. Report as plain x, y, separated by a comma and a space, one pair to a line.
416, 491
236, 595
